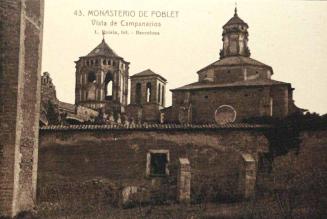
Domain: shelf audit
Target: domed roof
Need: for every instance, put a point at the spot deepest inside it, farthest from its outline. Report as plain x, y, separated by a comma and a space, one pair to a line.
103, 49
235, 20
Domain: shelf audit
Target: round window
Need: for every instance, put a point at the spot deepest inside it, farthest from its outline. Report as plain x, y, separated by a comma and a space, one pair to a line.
225, 114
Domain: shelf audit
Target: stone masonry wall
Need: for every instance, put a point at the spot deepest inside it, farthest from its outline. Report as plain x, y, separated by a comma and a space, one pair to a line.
20, 62
120, 157
9, 73
247, 101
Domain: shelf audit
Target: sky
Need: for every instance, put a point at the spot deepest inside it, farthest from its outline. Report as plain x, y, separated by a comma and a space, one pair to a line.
290, 36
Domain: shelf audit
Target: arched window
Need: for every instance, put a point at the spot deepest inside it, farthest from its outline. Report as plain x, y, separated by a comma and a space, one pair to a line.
108, 86
91, 77
138, 93
159, 93
148, 92
162, 95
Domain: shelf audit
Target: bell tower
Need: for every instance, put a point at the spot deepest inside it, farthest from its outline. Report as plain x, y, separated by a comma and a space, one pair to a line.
147, 95
102, 80
235, 38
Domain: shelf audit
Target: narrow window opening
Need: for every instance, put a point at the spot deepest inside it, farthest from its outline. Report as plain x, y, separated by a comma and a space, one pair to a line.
138, 93
148, 92
159, 93
163, 95
108, 86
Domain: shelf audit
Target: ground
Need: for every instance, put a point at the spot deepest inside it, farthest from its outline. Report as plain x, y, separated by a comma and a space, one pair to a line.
265, 208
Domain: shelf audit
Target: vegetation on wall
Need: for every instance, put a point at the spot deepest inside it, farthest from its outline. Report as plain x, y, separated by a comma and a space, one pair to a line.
292, 184
284, 134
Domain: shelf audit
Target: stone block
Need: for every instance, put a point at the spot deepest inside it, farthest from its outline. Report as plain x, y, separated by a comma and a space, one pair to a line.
184, 180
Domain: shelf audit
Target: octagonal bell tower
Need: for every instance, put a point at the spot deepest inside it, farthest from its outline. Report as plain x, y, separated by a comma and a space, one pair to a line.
235, 38
102, 80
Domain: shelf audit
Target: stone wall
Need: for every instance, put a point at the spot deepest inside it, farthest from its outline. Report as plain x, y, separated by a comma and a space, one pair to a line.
120, 157
184, 180
297, 180
148, 112
247, 179
151, 113
247, 101
20, 62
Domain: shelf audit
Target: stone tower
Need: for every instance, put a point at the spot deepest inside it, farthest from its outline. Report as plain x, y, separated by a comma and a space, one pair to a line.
21, 27
102, 80
235, 38
148, 93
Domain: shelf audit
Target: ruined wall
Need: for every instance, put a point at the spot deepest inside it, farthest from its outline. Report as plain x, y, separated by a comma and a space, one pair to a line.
120, 158
299, 177
20, 63
86, 113
148, 112
151, 113
48, 90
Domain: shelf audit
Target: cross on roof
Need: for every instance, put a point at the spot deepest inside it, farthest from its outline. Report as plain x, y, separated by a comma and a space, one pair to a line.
103, 34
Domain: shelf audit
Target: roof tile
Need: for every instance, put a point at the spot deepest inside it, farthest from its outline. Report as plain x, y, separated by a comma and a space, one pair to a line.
146, 73
103, 49
154, 127
235, 61
244, 83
